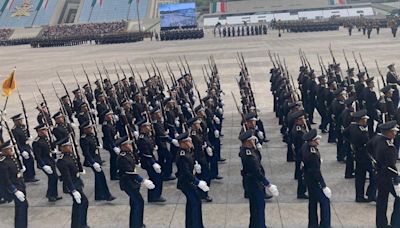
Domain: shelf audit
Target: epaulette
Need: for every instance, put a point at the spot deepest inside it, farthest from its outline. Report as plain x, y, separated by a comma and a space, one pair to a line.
363, 128
313, 150
122, 153
2, 158
61, 156
248, 152
298, 128
390, 142
182, 153
194, 133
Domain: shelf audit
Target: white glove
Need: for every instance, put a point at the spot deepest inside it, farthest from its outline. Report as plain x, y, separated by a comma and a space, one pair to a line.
209, 151
222, 102
203, 186
194, 98
177, 124
157, 167
260, 135
100, 146
116, 118
25, 154
176, 135
23, 169
327, 191
97, 167
93, 111
259, 146
149, 184
397, 189
274, 190
378, 112
155, 148
47, 169
216, 134
217, 120
197, 167
20, 195
73, 125
117, 150
136, 134
221, 111
77, 196
189, 109
187, 105
175, 142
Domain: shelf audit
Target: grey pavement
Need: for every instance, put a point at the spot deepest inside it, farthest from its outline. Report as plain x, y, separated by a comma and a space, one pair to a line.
229, 208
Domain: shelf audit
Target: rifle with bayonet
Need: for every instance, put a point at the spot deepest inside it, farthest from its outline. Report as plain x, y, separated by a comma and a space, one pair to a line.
365, 67
380, 73
25, 115
355, 60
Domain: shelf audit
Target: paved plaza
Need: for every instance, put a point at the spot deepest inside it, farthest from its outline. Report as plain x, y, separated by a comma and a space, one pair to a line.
229, 208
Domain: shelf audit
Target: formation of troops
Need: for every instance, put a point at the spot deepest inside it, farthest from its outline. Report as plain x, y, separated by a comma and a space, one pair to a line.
181, 34
358, 116
240, 30
151, 125
368, 25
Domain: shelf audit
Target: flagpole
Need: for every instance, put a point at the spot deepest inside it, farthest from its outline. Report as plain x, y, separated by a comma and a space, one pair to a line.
129, 11
5, 104
137, 11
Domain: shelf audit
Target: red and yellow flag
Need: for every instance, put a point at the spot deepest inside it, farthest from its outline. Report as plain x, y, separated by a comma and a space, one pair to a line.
9, 84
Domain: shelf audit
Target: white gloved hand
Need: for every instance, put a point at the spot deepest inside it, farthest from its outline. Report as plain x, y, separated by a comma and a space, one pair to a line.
155, 148
194, 98
175, 142
97, 167
47, 169
187, 105
397, 189
217, 120
260, 135
73, 125
149, 184
221, 111
25, 154
216, 134
177, 124
93, 111
189, 109
176, 135
77, 196
83, 172
116, 118
222, 102
157, 167
259, 146
20, 195
117, 150
273, 189
197, 167
209, 151
327, 191
23, 169
100, 146
136, 134
203, 186
378, 112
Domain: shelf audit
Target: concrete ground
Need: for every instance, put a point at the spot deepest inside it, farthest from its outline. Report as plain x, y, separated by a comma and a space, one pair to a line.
229, 208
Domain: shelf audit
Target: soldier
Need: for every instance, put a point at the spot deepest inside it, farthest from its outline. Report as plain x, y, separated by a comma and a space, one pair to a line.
20, 133
321, 104
347, 119
101, 107
72, 183
337, 108
44, 116
317, 189
358, 136
130, 181
359, 87
371, 103
311, 97
110, 136
255, 180
62, 129
387, 175
42, 150
187, 182
67, 107
393, 80
91, 151
369, 29
13, 181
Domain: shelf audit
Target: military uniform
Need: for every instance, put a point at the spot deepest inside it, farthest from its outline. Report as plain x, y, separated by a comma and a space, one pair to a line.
110, 136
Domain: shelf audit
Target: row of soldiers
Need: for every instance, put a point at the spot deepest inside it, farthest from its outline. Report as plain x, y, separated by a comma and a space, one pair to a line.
149, 126
240, 30
351, 109
368, 25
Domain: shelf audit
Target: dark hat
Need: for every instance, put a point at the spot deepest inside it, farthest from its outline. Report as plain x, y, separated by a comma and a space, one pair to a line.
387, 89
63, 142
294, 104
17, 117
6, 144
339, 91
361, 114
154, 110
193, 121
86, 85
311, 135
321, 77
101, 95
246, 135
369, 80
198, 108
143, 122
65, 96
361, 74
331, 81
137, 93
41, 126
250, 116
124, 101
390, 125
349, 101
391, 65
350, 70
86, 124
57, 114
166, 100
206, 98
183, 137
106, 112
82, 104
123, 140
76, 90
297, 114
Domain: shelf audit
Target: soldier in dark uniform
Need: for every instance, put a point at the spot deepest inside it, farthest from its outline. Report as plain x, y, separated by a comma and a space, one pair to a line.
42, 150
337, 108
90, 148
393, 80
357, 134
386, 106
254, 179
110, 136
321, 105
62, 129
317, 189
187, 182
21, 137
72, 183
146, 148
359, 87
371, 103
101, 107
387, 175
67, 107
89, 95
44, 116
12, 180
78, 99
347, 119
311, 97
130, 181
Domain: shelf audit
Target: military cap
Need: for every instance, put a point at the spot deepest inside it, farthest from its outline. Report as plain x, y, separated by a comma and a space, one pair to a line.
297, 114
182, 137
17, 117
7, 144
101, 95
361, 74
123, 140
302, 68
65, 96
193, 121
361, 114
106, 112
179, 79
166, 100
86, 85
390, 66
124, 101
246, 135
63, 142
321, 77
350, 70
86, 124
57, 114
386, 89
154, 110
198, 109
339, 91
294, 104
369, 80
206, 98
331, 81
116, 83
82, 104
76, 90
389, 126
349, 101
250, 116
311, 135
97, 81
41, 126
143, 122
136, 93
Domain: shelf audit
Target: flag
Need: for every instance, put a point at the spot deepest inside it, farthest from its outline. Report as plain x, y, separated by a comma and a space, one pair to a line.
95, 2
4, 6
7, 5
218, 7
42, 5
9, 84
338, 2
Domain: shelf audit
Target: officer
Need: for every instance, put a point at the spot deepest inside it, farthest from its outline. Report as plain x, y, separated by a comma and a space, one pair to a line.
42, 149
91, 151
12, 178
254, 179
146, 148
317, 189
130, 181
357, 134
110, 136
20, 133
387, 175
187, 182
72, 183
386, 106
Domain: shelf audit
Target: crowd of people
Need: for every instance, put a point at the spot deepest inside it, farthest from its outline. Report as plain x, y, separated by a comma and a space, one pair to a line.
240, 30
5, 34
181, 34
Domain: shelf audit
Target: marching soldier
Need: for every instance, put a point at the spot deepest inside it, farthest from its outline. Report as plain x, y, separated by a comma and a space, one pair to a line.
337, 108
393, 80
44, 116
371, 104
347, 119
67, 107
110, 136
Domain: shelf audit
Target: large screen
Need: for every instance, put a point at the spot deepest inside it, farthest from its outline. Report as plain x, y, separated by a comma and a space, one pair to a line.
178, 15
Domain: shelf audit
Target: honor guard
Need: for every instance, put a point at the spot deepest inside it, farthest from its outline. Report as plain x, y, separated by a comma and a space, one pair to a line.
347, 119
393, 80
371, 103
110, 136
44, 116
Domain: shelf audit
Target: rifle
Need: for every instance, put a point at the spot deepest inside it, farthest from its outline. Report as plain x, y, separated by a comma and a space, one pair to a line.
380, 73
333, 57
365, 67
241, 114
187, 64
43, 97
66, 90
358, 65
347, 61
320, 65
13, 141
180, 60
25, 115
270, 57
45, 120
87, 79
